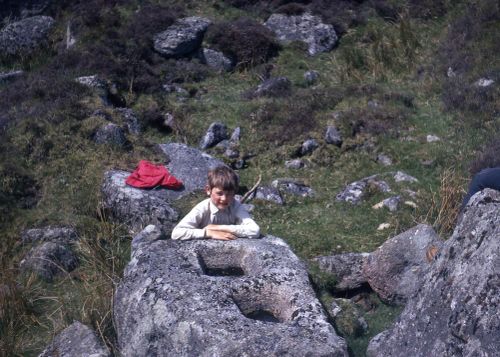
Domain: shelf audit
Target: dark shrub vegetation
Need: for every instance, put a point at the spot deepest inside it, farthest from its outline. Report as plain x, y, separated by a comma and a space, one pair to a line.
293, 118
246, 41
489, 156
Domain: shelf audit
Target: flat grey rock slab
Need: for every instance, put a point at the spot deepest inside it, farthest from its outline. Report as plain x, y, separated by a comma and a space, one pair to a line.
455, 312
76, 340
49, 234
182, 38
396, 269
211, 298
189, 165
137, 208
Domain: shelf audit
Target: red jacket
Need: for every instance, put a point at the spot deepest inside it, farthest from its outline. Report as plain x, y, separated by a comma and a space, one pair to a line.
149, 175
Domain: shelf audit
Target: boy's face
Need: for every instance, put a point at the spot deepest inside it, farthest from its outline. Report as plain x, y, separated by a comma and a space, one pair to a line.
222, 199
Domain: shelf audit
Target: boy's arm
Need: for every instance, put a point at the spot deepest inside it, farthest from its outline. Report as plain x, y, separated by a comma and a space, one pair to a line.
189, 226
245, 226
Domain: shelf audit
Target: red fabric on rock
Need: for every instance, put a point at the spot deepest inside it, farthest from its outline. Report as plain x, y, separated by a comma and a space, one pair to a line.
149, 175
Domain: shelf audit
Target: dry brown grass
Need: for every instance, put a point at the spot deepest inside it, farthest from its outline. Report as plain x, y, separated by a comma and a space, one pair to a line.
445, 204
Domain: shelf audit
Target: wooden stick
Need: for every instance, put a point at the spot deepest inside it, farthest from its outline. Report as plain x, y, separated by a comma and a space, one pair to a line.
252, 190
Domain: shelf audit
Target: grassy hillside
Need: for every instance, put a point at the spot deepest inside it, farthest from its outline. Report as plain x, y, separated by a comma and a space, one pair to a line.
385, 86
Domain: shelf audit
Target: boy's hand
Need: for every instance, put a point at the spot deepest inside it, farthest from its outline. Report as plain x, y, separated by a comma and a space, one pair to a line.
219, 234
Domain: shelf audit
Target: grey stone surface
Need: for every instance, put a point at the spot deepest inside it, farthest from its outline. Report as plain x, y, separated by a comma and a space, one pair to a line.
131, 120
347, 268
273, 87
137, 208
455, 311
293, 186
307, 28
76, 340
392, 203
269, 193
182, 38
355, 191
333, 136
25, 36
111, 134
216, 132
189, 165
396, 269
49, 259
247, 297
235, 135
384, 160
294, 164
311, 77
216, 60
49, 234
401, 176
308, 147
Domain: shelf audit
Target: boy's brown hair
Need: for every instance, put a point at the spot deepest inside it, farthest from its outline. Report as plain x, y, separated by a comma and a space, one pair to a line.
223, 177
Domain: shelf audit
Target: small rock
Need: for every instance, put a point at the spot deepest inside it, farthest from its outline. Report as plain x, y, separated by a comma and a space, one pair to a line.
215, 134
111, 134
432, 138
169, 121
484, 82
216, 60
410, 193
333, 136
373, 104
235, 136
273, 87
76, 340
293, 186
308, 147
383, 226
450, 73
130, 119
267, 193
50, 259
307, 28
403, 177
294, 164
174, 88
384, 160
392, 203
411, 204
49, 234
239, 164
311, 77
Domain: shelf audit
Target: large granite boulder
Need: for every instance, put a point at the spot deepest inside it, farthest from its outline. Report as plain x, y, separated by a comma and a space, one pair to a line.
76, 340
136, 208
307, 28
182, 38
212, 298
347, 269
396, 269
189, 165
52, 251
25, 36
455, 312
216, 133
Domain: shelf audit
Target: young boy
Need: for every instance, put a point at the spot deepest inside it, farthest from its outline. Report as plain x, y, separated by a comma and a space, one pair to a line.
220, 216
